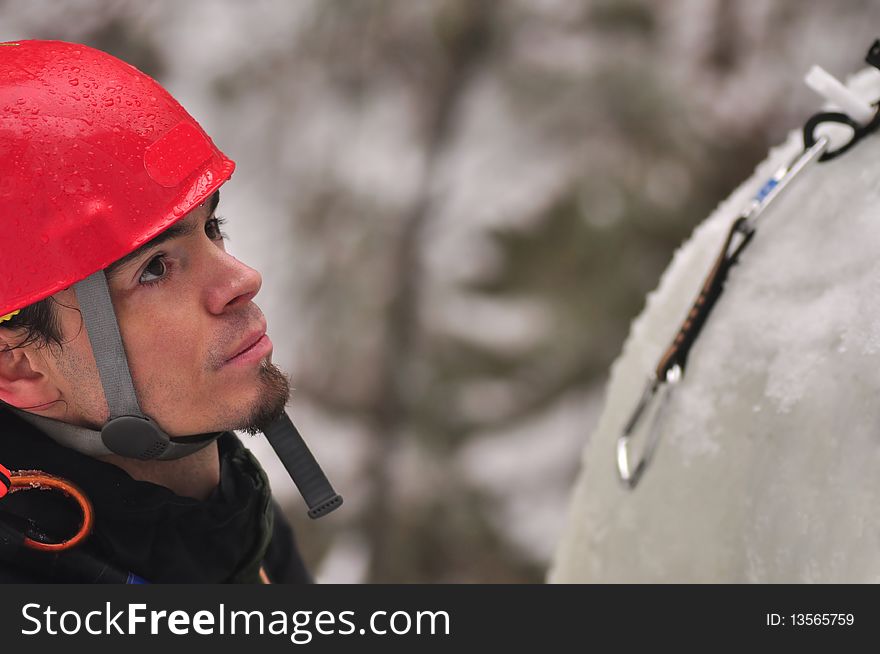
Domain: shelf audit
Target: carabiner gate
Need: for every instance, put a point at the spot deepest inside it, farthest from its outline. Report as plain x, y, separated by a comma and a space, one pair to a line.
655, 390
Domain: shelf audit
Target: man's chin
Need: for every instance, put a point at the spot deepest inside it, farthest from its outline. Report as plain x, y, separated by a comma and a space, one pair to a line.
274, 392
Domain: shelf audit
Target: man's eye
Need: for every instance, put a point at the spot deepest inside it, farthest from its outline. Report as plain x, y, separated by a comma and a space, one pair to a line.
212, 229
155, 270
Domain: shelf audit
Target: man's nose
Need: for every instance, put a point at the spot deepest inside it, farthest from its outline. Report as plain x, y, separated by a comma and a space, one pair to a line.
233, 283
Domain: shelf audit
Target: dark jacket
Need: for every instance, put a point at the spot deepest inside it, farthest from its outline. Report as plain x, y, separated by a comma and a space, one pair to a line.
142, 530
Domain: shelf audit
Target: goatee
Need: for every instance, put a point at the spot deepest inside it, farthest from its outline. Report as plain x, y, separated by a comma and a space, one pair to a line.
275, 394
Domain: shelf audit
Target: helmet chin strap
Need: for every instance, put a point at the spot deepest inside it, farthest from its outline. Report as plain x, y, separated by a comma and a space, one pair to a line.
132, 434
129, 432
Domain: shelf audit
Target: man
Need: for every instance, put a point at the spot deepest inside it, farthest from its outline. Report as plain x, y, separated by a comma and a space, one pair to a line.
108, 193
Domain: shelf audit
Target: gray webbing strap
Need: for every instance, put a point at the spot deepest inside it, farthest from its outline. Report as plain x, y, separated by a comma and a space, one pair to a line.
83, 440
90, 442
103, 331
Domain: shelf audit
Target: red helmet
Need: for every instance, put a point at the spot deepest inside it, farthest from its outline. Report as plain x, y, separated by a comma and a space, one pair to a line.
95, 159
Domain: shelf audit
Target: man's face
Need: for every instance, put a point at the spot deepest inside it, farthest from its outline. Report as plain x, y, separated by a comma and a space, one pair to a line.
185, 311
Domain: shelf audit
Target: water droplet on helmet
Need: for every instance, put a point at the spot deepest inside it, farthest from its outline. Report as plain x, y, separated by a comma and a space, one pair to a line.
73, 81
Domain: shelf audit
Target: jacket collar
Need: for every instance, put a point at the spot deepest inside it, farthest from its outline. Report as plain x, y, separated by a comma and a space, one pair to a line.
146, 528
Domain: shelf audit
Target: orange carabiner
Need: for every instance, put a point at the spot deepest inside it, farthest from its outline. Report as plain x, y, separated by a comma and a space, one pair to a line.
25, 480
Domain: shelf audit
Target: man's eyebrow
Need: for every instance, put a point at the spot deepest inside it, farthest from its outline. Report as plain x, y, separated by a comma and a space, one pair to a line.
176, 230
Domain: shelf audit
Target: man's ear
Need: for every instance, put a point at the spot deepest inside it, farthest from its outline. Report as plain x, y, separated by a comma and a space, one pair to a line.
24, 382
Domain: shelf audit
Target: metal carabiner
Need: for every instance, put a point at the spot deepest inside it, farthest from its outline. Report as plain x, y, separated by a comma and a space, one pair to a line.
859, 131
29, 480
655, 390
670, 369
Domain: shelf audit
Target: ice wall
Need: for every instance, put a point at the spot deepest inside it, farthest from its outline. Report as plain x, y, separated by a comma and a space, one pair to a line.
767, 465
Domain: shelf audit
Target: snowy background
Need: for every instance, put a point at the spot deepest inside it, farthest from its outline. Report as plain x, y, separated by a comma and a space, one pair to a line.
458, 208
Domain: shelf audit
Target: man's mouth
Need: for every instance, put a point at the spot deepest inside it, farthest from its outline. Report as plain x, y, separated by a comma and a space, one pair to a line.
253, 347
